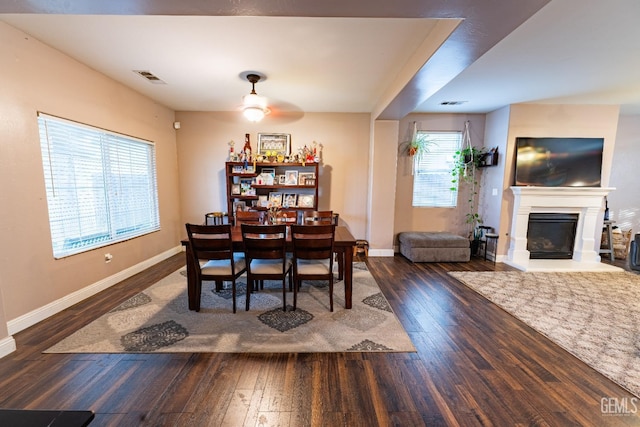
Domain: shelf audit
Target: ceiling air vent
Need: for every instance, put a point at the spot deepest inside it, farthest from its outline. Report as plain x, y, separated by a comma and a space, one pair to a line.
149, 76
452, 102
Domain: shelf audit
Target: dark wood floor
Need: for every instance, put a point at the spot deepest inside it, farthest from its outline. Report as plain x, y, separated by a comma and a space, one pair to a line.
475, 366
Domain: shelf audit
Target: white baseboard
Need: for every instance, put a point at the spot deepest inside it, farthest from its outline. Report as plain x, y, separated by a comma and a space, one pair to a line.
380, 252
29, 319
7, 345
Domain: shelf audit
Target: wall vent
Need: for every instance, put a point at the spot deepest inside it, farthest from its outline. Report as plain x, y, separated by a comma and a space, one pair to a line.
148, 75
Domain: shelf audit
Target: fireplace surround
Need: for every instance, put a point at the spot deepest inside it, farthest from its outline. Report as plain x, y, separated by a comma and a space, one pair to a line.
586, 202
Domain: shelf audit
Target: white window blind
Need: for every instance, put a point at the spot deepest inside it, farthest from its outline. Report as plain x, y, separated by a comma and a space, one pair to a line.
432, 186
101, 186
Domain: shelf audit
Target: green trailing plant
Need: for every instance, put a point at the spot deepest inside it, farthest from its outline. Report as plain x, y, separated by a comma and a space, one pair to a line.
464, 173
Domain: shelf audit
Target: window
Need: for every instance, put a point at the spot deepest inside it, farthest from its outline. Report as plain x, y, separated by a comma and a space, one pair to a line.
432, 173
101, 186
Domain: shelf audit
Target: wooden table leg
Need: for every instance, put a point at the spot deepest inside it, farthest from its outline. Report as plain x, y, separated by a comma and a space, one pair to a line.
348, 276
192, 292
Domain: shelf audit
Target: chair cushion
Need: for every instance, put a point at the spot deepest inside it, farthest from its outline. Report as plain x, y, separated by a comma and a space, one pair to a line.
313, 266
268, 266
223, 266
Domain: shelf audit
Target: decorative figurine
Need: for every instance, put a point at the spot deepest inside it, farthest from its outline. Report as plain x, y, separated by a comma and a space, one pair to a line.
232, 155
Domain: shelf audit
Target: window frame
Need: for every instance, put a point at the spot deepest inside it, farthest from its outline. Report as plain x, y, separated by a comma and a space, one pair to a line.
101, 186
446, 193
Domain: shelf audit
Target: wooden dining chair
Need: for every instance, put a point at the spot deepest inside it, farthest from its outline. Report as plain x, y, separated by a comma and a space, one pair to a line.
249, 217
265, 251
212, 249
288, 216
312, 256
317, 217
324, 217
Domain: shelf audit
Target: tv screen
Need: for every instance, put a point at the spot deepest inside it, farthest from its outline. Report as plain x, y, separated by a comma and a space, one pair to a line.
559, 162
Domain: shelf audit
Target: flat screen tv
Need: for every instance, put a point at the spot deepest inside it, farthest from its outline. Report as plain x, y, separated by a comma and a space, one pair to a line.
559, 162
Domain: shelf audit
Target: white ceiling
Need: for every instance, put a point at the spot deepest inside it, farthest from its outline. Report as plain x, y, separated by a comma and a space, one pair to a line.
570, 51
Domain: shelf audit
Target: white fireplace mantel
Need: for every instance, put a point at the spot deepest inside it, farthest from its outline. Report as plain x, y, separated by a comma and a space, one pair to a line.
587, 202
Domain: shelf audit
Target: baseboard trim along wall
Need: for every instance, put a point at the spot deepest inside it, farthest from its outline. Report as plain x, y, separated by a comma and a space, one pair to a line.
380, 252
7, 346
29, 319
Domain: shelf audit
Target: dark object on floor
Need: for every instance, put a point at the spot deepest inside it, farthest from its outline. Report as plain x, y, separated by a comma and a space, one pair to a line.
37, 418
634, 253
361, 248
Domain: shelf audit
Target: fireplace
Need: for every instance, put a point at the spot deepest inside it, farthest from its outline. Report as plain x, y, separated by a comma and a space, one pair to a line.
583, 203
551, 235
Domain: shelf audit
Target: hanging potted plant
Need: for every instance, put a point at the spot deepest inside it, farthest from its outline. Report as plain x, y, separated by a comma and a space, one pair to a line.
415, 147
464, 173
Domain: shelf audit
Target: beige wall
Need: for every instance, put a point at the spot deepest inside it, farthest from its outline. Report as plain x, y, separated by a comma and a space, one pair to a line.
37, 78
382, 185
624, 202
408, 218
203, 147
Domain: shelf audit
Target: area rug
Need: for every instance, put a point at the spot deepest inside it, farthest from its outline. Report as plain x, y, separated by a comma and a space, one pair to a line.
158, 320
594, 316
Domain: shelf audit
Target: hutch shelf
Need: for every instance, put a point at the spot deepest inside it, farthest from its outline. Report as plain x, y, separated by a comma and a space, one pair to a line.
293, 186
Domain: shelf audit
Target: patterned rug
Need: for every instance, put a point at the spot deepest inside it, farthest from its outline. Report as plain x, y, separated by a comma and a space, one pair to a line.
594, 316
158, 320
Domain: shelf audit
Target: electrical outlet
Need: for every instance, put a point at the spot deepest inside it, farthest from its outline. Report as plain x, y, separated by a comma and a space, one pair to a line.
108, 258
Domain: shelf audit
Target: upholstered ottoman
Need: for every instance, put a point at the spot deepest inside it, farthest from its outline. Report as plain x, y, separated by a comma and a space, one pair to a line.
434, 246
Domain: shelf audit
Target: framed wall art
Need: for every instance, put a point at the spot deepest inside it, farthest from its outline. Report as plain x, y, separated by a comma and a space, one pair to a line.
274, 144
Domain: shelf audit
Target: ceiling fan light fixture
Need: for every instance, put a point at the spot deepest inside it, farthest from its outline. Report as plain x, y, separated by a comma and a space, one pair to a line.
253, 114
254, 107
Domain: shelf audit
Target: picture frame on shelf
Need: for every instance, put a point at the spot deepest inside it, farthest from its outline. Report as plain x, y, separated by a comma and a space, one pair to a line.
305, 177
235, 189
290, 200
281, 179
237, 169
274, 144
263, 201
246, 188
270, 171
275, 199
239, 205
291, 177
306, 200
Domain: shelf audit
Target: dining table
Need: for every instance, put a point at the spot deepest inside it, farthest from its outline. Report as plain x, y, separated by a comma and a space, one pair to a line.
344, 242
